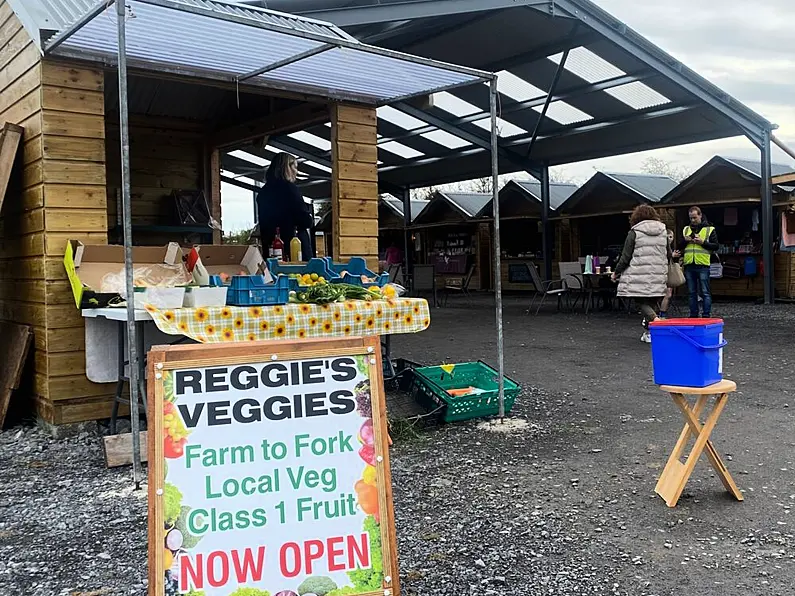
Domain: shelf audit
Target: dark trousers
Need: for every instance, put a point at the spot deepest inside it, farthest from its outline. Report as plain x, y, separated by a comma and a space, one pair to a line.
697, 277
649, 307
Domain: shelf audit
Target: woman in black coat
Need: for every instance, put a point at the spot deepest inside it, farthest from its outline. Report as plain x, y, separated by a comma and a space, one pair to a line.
280, 205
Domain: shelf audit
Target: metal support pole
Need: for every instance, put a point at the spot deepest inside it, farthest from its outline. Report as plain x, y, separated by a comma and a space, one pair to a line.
132, 345
406, 198
768, 235
495, 195
552, 87
546, 237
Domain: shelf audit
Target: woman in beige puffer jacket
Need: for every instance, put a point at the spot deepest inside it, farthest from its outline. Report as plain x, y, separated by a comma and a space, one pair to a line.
642, 270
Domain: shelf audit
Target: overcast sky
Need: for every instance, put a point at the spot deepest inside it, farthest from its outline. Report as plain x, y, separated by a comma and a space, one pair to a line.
745, 48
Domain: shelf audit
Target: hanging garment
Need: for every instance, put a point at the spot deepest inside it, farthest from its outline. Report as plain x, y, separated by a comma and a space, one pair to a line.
730, 216
755, 220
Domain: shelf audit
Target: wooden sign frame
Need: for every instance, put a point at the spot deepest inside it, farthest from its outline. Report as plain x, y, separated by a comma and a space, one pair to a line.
175, 357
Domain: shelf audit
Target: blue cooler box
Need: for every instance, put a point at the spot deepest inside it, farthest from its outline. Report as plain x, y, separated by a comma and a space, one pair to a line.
687, 352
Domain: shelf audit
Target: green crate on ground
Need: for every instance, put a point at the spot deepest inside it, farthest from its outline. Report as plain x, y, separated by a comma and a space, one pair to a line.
431, 383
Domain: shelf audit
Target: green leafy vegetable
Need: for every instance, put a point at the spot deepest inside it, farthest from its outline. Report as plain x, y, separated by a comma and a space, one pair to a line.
370, 580
168, 387
317, 585
363, 366
346, 591
172, 501
250, 592
189, 541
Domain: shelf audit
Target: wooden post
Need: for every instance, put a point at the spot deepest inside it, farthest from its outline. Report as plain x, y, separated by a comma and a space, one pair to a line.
75, 207
215, 191
354, 183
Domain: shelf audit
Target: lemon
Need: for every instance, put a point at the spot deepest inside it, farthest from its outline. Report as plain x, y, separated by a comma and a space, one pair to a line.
314, 277
369, 475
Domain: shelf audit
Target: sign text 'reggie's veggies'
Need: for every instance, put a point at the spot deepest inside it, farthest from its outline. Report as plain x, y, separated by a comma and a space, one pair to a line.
270, 472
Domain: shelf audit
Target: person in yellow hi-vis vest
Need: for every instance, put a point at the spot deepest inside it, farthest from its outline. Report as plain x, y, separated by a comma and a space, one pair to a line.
699, 241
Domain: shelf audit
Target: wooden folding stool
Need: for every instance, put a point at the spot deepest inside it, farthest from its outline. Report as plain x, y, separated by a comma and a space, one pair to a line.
676, 474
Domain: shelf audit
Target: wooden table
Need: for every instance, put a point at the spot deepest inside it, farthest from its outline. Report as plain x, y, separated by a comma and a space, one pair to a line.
676, 474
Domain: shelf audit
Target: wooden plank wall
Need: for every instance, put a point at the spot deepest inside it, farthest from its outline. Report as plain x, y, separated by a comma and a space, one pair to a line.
165, 155
73, 175
354, 183
23, 293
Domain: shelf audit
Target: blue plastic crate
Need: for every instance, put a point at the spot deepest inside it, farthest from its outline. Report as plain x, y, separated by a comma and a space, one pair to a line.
251, 290
352, 271
687, 352
316, 265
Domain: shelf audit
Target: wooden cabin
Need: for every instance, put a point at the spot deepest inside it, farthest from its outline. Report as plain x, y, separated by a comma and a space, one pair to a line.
597, 213
66, 184
521, 232
453, 235
728, 191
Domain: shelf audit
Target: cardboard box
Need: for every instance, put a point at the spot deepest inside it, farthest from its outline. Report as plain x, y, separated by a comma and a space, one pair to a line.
88, 265
228, 259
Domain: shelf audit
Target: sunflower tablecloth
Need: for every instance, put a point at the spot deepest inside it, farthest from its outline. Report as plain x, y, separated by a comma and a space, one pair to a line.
295, 321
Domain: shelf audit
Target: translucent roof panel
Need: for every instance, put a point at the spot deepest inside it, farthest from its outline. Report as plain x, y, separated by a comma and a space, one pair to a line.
211, 40
504, 128
455, 105
310, 139
564, 113
517, 88
254, 159
400, 149
637, 95
399, 118
445, 139
588, 66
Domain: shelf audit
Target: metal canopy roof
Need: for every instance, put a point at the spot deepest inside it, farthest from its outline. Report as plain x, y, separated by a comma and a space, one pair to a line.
609, 193
613, 91
253, 47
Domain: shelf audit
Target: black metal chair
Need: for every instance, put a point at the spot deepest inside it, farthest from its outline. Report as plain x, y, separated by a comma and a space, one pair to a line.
454, 285
423, 280
552, 287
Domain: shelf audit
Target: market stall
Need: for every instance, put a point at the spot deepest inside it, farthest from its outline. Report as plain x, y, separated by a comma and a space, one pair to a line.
727, 191
173, 118
454, 236
598, 212
521, 232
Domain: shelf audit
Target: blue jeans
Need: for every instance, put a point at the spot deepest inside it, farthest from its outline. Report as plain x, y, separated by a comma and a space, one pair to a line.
698, 283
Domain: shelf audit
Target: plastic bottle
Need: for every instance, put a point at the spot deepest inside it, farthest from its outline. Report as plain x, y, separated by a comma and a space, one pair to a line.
277, 248
295, 248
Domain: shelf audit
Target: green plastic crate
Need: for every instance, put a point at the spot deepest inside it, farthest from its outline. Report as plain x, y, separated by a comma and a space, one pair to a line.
431, 384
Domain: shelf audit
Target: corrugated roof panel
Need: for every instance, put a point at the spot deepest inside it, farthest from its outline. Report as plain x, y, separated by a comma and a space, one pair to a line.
638, 95
189, 43
755, 167
469, 202
271, 17
650, 186
363, 73
558, 192
587, 65
400, 149
445, 139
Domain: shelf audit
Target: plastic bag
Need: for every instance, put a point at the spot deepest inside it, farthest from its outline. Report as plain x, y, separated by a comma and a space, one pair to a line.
160, 275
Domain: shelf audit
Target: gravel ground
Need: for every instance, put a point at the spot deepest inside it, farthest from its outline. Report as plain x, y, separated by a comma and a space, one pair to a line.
563, 504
